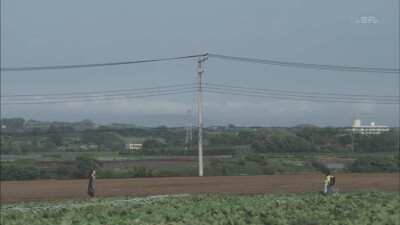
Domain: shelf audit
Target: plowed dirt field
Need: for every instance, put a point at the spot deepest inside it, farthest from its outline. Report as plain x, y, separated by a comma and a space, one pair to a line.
44, 190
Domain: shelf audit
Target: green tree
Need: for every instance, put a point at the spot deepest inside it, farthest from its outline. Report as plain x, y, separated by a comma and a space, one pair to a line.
258, 147
225, 139
13, 122
56, 139
84, 163
345, 139
151, 143
385, 141
19, 171
280, 142
6, 146
141, 171
318, 165
56, 127
375, 164
174, 138
320, 136
245, 137
110, 140
86, 123
62, 171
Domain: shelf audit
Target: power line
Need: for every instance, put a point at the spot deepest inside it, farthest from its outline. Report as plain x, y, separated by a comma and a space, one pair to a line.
305, 96
242, 59
89, 131
97, 96
30, 68
301, 99
307, 65
192, 84
90, 100
98, 92
300, 92
309, 95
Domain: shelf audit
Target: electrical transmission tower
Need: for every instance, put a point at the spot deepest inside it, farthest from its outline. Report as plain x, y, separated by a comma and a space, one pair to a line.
189, 135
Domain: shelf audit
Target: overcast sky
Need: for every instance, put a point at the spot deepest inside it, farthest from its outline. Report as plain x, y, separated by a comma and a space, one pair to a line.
48, 32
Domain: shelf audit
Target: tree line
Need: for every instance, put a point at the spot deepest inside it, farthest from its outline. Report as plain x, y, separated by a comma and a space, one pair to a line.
70, 136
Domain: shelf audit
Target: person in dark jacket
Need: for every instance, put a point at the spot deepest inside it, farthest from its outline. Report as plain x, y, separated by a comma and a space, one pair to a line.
91, 183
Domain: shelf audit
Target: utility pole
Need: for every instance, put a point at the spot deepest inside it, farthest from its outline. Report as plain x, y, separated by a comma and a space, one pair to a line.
189, 135
200, 111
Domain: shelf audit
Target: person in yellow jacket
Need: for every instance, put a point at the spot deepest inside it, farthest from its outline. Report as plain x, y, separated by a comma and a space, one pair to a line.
327, 186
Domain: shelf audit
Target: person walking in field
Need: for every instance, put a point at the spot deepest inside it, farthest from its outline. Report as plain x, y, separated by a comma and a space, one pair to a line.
329, 182
91, 183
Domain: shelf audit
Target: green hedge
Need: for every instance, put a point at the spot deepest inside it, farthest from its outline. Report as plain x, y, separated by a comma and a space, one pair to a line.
19, 171
375, 164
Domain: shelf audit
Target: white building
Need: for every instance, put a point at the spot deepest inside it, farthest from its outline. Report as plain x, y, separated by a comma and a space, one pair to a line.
357, 128
133, 146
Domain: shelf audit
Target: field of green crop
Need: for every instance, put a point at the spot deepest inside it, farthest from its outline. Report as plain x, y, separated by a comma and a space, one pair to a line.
363, 207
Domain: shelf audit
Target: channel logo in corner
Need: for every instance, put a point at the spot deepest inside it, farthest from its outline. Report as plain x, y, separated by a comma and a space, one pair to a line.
364, 20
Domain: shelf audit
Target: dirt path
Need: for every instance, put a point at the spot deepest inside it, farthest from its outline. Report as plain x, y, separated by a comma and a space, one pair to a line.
24, 191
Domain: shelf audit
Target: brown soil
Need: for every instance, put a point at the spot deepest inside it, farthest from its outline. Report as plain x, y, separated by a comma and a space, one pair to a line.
25, 191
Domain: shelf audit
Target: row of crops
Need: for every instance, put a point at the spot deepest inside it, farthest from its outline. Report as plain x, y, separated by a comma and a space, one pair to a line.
362, 207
